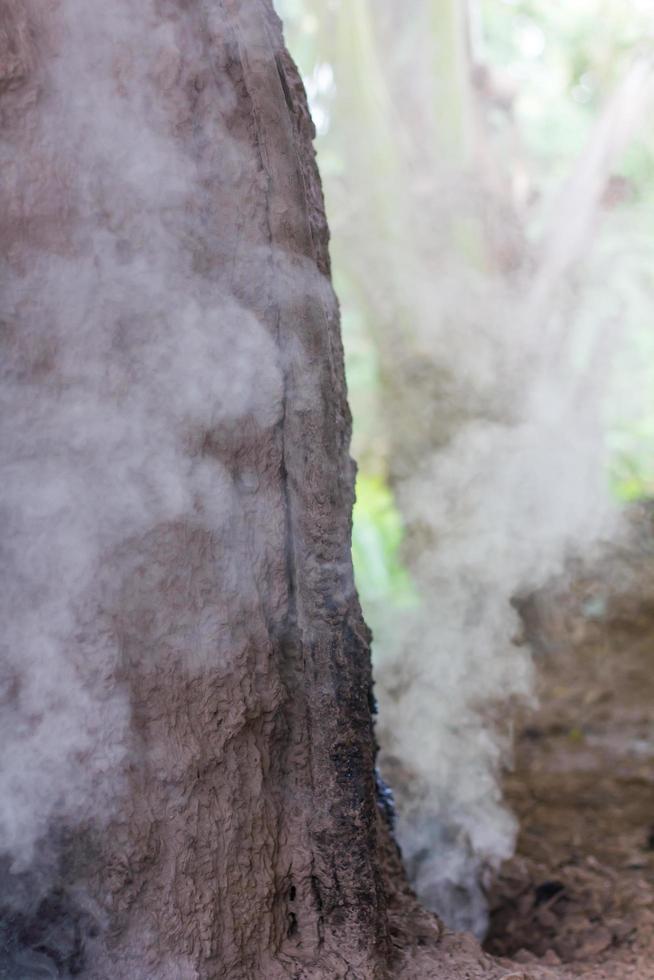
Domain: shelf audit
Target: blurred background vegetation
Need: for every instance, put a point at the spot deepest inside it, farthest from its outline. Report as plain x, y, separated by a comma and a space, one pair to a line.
507, 144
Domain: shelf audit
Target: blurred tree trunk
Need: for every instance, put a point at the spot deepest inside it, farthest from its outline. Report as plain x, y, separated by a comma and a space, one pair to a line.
408, 233
249, 842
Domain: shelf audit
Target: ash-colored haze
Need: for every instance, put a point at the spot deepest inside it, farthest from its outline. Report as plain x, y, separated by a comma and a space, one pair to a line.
119, 355
114, 368
500, 478
160, 580
492, 409
506, 504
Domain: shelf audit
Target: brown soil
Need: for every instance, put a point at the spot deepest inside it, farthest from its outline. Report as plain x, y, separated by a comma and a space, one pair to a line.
578, 897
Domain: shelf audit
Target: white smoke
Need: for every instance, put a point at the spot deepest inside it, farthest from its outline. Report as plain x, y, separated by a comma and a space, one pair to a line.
507, 504
115, 362
491, 405
122, 353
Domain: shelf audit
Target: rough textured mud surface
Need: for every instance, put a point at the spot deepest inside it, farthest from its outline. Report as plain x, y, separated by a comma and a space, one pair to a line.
580, 890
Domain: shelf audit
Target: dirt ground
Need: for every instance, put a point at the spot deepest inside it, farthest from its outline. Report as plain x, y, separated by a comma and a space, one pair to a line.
577, 900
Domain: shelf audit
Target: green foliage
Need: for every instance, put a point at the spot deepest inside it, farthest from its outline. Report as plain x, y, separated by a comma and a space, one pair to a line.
376, 539
632, 471
562, 60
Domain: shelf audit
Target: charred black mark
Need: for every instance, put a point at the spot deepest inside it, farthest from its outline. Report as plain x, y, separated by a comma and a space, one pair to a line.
282, 77
385, 800
292, 924
45, 941
546, 891
315, 888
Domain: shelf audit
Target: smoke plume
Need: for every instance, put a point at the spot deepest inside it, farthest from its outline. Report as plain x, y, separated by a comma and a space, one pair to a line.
492, 415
